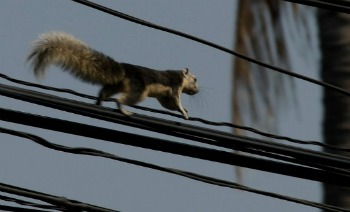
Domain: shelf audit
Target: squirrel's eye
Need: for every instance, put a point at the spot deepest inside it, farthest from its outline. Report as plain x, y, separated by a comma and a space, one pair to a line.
195, 79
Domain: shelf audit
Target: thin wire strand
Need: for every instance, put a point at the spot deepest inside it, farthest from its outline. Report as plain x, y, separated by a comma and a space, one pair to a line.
194, 176
20, 209
334, 5
207, 43
172, 128
226, 124
68, 204
31, 204
172, 147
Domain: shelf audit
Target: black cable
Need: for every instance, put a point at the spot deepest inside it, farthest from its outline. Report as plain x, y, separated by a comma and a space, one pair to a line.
100, 133
344, 3
70, 205
194, 176
143, 141
19, 209
334, 5
216, 46
225, 157
30, 204
195, 133
204, 121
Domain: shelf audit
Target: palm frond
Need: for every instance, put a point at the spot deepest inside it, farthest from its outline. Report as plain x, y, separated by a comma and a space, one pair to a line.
278, 33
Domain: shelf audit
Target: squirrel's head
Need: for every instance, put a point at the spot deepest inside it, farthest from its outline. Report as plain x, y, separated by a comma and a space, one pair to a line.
190, 85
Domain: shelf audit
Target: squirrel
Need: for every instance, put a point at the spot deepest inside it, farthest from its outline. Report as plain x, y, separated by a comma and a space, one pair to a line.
133, 83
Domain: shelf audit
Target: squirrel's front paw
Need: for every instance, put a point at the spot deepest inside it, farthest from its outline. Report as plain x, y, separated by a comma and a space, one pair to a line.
185, 114
125, 112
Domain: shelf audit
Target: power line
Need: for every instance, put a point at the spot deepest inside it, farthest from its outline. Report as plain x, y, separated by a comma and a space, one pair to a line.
330, 176
195, 133
194, 176
167, 146
141, 141
71, 205
30, 204
204, 121
334, 5
207, 43
19, 209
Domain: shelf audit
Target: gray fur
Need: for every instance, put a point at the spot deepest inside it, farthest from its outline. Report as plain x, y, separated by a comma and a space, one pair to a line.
133, 83
142, 76
69, 53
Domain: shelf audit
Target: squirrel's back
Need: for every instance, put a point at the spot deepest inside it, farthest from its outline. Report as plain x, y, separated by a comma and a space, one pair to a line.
71, 54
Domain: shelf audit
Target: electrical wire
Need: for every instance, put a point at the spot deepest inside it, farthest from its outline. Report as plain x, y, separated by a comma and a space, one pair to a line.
334, 5
204, 121
136, 120
331, 175
68, 204
186, 131
202, 41
150, 143
30, 204
20, 209
338, 2
194, 176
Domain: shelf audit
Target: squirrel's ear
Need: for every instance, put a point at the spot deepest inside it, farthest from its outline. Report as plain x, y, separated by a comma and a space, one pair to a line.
185, 71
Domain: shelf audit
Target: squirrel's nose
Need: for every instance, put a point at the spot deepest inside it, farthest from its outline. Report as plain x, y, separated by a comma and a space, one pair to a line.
193, 92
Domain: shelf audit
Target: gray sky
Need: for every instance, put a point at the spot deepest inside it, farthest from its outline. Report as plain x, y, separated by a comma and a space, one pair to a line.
122, 186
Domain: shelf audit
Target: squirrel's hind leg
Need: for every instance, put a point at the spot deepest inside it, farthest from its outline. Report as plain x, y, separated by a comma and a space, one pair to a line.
122, 110
131, 98
106, 92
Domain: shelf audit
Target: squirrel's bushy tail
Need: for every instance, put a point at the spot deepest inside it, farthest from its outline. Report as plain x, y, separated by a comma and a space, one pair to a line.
71, 54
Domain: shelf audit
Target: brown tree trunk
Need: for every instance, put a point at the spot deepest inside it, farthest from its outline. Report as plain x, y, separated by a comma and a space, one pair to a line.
335, 69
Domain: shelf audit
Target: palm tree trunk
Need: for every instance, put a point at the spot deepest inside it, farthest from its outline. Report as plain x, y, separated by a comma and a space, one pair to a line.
335, 69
